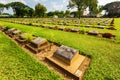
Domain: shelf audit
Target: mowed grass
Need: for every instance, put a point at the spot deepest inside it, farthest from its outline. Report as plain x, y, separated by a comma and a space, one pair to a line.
105, 53
114, 32
15, 64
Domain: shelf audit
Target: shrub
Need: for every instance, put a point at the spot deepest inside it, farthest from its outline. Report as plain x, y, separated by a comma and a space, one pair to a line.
56, 27
111, 28
64, 23
30, 24
82, 31
67, 29
107, 35
6, 28
28, 37
98, 24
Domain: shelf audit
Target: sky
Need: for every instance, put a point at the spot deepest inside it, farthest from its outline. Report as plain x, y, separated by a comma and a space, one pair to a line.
51, 5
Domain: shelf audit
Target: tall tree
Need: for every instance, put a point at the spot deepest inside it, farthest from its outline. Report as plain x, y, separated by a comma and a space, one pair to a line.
1, 7
93, 7
50, 14
74, 14
113, 9
67, 12
40, 10
29, 11
19, 9
60, 14
81, 5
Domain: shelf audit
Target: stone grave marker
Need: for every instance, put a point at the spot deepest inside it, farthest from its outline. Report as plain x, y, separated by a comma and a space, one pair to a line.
66, 54
38, 44
93, 32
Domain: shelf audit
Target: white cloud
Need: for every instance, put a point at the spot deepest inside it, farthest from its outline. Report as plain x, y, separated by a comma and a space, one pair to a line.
56, 6
3, 1
65, 1
8, 1
103, 2
36, 0
40, 0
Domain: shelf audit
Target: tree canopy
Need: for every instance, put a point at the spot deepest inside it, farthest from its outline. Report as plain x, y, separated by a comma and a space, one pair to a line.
81, 5
1, 7
113, 9
40, 10
67, 12
93, 7
19, 9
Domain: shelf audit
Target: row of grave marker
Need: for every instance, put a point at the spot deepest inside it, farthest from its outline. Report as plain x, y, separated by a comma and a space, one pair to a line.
65, 22
76, 30
39, 42
68, 21
65, 54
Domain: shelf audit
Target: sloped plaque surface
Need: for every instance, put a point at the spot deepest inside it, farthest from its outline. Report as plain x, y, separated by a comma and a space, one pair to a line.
16, 31
38, 41
66, 52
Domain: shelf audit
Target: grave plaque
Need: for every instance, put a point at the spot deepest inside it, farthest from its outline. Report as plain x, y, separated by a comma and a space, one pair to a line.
78, 73
38, 41
93, 32
51, 27
12, 29
61, 28
66, 54
38, 44
75, 30
16, 32
101, 27
9, 31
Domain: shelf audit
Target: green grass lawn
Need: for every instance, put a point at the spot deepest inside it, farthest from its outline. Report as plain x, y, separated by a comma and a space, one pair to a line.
105, 53
16, 64
114, 32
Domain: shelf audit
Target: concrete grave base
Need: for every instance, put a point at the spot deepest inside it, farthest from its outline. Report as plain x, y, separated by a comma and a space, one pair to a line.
73, 68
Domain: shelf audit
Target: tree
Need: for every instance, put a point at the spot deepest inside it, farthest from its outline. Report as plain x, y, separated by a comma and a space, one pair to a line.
67, 12
93, 7
74, 14
29, 11
19, 9
100, 8
1, 7
81, 5
113, 9
50, 14
60, 14
40, 10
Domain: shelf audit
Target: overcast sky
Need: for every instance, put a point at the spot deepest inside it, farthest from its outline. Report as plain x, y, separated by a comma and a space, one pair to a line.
51, 5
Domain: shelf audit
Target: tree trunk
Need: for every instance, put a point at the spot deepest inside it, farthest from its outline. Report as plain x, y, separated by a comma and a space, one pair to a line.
79, 16
79, 20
